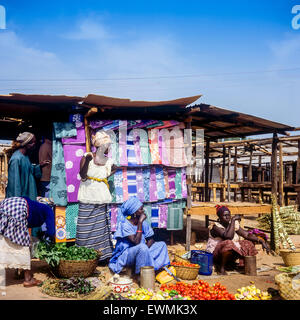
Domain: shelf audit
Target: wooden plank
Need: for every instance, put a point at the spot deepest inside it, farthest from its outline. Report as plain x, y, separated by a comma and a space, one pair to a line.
242, 210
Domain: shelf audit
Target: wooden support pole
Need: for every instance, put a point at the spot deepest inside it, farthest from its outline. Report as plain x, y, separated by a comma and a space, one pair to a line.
223, 174
235, 174
249, 175
189, 201
228, 175
281, 196
206, 193
274, 182
298, 174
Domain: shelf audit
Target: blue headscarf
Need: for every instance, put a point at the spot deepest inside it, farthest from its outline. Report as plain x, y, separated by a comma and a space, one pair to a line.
128, 208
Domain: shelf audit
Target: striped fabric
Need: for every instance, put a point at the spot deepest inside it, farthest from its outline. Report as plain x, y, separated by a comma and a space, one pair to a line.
154, 215
132, 185
93, 228
118, 177
131, 156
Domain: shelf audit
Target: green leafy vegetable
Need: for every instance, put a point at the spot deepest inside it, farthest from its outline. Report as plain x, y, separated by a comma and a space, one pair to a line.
53, 253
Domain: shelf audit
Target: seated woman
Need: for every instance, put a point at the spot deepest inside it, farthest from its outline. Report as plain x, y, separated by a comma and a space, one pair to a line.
135, 245
17, 214
224, 240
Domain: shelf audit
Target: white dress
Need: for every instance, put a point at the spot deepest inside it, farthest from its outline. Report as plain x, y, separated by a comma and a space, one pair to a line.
95, 192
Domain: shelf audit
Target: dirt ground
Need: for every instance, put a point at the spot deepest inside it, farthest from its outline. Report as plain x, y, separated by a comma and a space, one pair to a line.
266, 267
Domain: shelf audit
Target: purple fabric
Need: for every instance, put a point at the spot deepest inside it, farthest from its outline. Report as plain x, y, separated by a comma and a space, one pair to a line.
137, 148
113, 218
172, 175
163, 216
140, 184
94, 124
79, 138
183, 183
123, 148
153, 186
73, 155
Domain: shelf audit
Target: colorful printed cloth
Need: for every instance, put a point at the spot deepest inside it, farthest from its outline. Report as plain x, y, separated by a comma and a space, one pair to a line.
131, 156
80, 135
163, 216
160, 183
118, 177
154, 216
140, 184
132, 184
154, 147
71, 220
146, 176
172, 185
13, 220
153, 185
72, 156
178, 183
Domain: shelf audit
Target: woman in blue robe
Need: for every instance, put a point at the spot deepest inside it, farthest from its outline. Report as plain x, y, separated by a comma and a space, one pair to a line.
21, 172
135, 245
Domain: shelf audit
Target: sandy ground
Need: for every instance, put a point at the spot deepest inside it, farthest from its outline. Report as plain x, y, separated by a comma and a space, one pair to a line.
266, 265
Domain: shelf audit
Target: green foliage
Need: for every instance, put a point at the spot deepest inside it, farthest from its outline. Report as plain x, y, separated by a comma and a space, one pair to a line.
53, 253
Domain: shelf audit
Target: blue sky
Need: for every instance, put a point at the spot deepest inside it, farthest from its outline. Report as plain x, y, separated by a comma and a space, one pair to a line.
240, 55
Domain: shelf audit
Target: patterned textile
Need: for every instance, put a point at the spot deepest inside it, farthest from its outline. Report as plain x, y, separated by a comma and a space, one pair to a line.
175, 217
163, 216
112, 189
58, 186
94, 124
80, 135
160, 184
93, 228
131, 156
140, 184
132, 184
154, 216
71, 220
166, 181
72, 156
113, 217
118, 177
13, 256
154, 148
125, 185
153, 185
183, 183
123, 148
148, 209
172, 186
167, 124
247, 248
60, 224
13, 220
146, 176
178, 184
113, 152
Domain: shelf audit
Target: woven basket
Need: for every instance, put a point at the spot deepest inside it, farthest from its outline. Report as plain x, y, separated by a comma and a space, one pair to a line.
76, 268
187, 273
177, 256
284, 282
290, 257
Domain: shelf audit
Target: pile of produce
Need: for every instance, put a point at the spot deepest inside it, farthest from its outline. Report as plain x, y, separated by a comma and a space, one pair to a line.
144, 294
199, 290
67, 288
184, 264
252, 293
53, 253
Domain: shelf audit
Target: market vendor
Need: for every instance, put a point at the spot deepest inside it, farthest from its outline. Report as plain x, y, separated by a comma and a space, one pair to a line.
135, 245
93, 224
17, 214
224, 240
22, 174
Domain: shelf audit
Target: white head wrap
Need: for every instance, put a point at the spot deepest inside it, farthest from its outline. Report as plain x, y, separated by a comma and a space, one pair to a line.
24, 138
100, 138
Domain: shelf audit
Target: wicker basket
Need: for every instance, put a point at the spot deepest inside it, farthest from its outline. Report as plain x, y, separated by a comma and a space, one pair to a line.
76, 268
290, 257
178, 254
284, 282
187, 273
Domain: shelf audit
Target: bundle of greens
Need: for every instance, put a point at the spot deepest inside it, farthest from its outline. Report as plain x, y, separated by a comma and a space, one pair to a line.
67, 288
53, 253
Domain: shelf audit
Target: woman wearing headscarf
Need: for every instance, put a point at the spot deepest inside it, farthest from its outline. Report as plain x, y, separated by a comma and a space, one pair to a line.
224, 240
93, 224
17, 214
21, 172
135, 245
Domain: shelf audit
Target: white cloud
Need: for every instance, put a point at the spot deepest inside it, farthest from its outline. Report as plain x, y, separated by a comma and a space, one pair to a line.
87, 29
